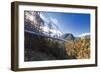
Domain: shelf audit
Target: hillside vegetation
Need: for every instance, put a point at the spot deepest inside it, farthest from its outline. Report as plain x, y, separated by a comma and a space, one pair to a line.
78, 49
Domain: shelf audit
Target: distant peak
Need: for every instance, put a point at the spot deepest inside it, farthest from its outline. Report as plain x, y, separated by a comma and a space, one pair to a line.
68, 36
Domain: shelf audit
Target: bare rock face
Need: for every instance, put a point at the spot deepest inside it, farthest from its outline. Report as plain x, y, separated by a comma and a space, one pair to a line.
68, 36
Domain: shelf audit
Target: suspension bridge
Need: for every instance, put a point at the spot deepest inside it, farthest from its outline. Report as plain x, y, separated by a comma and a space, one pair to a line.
29, 28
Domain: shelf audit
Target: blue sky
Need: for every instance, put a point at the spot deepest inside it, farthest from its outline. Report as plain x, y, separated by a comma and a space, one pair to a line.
74, 23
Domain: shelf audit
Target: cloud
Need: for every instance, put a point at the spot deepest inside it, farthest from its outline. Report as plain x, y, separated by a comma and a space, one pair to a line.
48, 19
44, 18
84, 34
54, 20
46, 29
53, 31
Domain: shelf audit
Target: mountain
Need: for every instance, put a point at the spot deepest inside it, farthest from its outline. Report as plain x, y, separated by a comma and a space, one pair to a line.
68, 36
86, 37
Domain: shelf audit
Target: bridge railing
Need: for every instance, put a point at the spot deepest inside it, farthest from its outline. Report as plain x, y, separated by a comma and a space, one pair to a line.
43, 35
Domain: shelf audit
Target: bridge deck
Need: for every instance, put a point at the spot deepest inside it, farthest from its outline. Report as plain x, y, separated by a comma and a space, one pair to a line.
43, 35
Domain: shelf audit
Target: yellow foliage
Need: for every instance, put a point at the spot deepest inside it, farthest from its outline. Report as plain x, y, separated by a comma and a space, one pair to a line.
79, 49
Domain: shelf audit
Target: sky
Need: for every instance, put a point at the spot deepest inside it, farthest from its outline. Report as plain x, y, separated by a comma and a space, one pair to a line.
76, 23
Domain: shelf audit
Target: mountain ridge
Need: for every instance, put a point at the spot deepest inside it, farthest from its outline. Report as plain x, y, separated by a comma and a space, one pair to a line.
70, 36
